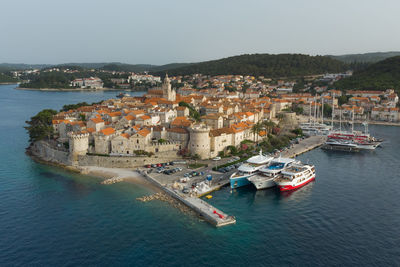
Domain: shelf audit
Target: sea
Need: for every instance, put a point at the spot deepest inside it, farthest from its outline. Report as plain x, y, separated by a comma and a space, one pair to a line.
350, 216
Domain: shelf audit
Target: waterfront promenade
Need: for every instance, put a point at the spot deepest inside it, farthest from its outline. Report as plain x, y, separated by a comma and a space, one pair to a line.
165, 183
202, 208
303, 146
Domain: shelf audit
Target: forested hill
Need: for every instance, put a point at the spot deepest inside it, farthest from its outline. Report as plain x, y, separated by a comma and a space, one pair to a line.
366, 57
378, 76
273, 66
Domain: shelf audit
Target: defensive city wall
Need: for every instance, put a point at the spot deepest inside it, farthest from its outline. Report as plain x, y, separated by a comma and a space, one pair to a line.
44, 151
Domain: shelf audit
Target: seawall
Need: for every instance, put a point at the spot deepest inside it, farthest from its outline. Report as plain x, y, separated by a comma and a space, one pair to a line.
43, 151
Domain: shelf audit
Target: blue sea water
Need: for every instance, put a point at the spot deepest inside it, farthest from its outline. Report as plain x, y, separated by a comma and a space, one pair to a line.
350, 216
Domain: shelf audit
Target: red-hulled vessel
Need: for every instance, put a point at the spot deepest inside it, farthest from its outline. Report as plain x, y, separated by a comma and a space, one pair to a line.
295, 177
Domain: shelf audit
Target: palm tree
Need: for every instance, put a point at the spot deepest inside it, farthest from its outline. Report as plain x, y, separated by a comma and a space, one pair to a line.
268, 125
255, 129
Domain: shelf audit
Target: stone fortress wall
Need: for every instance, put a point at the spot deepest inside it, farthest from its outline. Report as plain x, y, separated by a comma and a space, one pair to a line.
199, 142
45, 152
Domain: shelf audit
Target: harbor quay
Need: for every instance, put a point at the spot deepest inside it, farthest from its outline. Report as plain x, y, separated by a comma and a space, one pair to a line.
304, 145
199, 206
170, 183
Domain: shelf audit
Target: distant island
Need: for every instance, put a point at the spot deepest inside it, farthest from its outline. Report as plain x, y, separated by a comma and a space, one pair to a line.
120, 76
368, 75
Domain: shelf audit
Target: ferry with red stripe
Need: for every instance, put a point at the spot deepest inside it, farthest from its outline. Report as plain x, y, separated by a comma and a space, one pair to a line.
295, 177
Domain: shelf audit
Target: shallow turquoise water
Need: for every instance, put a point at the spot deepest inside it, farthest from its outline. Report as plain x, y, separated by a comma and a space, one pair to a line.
349, 216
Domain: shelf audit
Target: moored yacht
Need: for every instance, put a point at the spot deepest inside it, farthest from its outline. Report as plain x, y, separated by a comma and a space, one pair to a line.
267, 174
248, 169
295, 177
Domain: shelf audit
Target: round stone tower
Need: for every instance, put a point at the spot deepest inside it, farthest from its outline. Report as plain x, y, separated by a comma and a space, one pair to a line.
199, 142
289, 120
78, 144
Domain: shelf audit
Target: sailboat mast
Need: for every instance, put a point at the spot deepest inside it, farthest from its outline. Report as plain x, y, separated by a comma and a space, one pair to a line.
352, 119
322, 110
340, 121
315, 109
333, 108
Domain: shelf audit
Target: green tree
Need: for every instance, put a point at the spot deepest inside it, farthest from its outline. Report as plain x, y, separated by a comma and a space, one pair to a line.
256, 130
268, 125
343, 99
327, 110
40, 126
82, 117
192, 112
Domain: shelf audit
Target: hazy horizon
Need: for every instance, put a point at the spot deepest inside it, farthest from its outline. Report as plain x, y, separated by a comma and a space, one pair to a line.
178, 31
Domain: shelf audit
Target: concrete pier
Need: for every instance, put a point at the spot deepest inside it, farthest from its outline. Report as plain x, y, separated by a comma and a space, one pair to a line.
204, 209
305, 145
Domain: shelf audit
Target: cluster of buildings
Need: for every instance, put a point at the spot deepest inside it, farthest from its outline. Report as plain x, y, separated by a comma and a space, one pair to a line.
201, 122
156, 123
374, 105
91, 82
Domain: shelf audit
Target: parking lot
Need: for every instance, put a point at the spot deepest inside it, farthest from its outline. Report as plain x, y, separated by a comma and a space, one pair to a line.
165, 176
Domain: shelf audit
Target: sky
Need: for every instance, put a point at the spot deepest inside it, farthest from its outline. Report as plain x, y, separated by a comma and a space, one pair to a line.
166, 31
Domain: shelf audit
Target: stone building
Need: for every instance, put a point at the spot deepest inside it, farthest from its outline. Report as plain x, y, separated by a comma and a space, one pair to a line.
199, 143
102, 140
78, 144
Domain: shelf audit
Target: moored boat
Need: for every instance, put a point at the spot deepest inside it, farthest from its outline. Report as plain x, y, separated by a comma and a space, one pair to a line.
295, 177
248, 169
121, 95
266, 175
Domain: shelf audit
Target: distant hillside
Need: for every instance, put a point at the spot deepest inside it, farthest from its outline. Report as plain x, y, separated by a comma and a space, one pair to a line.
21, 66
142, 67
282, 65
127, 67
85, 65
5, 78
366, 58
169, 67
378, 76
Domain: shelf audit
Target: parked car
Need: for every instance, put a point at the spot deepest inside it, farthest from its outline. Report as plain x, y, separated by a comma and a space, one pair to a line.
185, 190
217, 158
153, 165
171, 163
186, 174
159, 165
148, 166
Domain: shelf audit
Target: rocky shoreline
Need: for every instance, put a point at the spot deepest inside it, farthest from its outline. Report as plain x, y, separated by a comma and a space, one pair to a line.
168, 199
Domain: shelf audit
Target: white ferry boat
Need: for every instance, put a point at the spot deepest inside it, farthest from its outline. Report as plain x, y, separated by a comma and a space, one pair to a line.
295, 177
311, 129
248, 169
267, 174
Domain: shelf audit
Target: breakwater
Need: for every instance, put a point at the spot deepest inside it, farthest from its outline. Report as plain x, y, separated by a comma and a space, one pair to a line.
202, 208
304, 146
